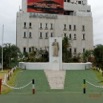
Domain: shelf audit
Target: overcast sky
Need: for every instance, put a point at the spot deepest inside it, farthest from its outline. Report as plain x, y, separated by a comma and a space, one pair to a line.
8, 9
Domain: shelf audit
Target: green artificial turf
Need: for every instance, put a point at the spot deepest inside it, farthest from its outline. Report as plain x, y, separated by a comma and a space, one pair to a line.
74, 81
25, 76
72, 92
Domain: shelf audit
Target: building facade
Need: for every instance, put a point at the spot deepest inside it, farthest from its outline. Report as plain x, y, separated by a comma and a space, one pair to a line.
34, 29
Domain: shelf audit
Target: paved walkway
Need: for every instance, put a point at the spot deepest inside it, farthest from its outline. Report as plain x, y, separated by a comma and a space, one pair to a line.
56, 79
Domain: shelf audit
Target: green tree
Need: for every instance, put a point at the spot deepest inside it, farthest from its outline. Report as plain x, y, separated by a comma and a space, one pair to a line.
10, 54
66, 55
31, 56
87, 55
36, 56
45, 56
98, 54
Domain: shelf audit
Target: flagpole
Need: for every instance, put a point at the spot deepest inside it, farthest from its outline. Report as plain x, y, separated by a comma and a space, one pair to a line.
2, 44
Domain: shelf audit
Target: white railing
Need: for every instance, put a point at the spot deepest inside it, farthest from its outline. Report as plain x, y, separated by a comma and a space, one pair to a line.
7, 75
94, 85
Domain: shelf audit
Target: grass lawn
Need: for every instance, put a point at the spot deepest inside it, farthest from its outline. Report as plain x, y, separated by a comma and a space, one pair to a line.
99, 76
11, 82
2, 73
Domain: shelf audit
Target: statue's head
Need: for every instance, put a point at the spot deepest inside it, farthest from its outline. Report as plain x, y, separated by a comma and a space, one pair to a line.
55, 40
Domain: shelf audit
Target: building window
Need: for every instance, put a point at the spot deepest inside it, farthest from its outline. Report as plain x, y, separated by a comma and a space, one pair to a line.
30, 49
79, 2
74, 36
74, 27
65, 34
83, 50
40, 25
68, 0
70, 27
64, 0
83, 28
24, 49
24, 34
70, 50
83, 36
88, 11
64, 26
46, 26
46, 35
30, 25
51, 26
30, 35
24, 25
75, 50
51, 34
40, 35
70, 37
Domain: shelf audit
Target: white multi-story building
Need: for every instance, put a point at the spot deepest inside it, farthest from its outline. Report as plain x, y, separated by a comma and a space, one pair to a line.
34, 29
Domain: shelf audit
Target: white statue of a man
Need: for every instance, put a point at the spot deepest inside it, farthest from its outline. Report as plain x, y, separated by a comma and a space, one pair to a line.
55, 48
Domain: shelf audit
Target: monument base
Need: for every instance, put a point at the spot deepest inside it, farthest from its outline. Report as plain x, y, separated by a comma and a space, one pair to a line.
54, 66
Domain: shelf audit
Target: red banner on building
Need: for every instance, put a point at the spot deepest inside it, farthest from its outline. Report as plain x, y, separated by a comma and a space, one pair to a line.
46, 6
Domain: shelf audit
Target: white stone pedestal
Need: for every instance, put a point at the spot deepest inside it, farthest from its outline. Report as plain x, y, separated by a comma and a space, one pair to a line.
55, 62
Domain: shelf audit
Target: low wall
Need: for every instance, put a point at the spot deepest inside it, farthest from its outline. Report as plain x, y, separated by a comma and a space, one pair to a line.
34, 66
54, 66
77, 66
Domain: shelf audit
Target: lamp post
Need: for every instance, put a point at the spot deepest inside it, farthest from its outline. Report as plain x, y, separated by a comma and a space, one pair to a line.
2, 44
